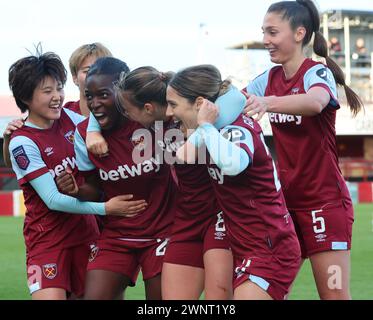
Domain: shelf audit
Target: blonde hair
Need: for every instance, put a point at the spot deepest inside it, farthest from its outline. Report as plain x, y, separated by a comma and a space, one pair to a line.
95, 49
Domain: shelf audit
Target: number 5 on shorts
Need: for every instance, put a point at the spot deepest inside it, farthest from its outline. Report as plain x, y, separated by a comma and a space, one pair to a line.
318, 228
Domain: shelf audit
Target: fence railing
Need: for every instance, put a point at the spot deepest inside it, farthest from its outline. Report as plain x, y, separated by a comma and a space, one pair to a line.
6, 176
354, 169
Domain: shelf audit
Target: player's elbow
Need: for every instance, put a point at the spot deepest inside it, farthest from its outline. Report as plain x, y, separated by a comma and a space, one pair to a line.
317, 101
318, 107
313, 108
231, 171
52, 205
235, 168
52, 202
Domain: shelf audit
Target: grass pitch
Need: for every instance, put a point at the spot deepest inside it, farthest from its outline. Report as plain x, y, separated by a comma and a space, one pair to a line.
13, 270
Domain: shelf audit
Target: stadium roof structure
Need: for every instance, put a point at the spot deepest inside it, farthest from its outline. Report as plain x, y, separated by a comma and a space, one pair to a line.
358, 19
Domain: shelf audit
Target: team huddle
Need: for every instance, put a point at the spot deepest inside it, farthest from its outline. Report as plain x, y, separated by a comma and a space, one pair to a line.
169, 173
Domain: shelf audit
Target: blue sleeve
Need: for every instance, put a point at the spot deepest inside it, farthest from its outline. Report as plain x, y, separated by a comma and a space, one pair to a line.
258, 85
229, 157
81, 154
76, 118
321, 76
93, 125
230, 105
241, 137
196, 138
46, 188
25, 157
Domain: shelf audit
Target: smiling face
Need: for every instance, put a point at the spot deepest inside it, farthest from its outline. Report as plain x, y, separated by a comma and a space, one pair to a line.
46, 103
279, 39
181, 109
101, 100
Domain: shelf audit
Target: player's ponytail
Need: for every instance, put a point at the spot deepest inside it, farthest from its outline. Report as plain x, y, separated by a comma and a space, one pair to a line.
295, 13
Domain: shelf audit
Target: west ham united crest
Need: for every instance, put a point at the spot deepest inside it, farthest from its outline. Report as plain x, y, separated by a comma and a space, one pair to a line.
50, 270
70, 136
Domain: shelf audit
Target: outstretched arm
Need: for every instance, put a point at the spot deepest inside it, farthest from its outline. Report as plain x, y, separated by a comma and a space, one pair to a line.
122, 205
306, 104
47, 190
320, 91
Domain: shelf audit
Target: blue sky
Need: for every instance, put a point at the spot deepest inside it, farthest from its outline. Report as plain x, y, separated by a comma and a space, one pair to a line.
166, 34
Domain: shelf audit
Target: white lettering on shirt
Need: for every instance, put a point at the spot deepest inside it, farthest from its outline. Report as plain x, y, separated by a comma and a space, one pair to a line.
125, 171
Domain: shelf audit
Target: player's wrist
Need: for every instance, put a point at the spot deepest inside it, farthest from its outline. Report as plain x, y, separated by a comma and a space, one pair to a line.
76, 193
6, 135
269, 103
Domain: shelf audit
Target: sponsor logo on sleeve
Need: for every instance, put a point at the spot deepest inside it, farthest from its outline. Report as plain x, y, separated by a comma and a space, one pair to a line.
21, 157
234, 135
325, 75
322, 74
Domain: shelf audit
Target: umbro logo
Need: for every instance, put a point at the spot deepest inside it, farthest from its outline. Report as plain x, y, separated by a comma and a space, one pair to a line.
49, 151
295, 91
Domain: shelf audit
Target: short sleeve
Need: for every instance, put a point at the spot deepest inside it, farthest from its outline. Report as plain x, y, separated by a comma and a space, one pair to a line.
258, 85
241, 137
76, 118
81, 154
93, 125
26, 159
320, 76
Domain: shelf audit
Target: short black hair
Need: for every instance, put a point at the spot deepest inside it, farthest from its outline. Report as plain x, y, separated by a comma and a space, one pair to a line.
108, 66
27, 73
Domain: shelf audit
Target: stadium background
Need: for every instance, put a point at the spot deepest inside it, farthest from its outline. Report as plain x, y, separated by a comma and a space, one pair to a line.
355, 147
